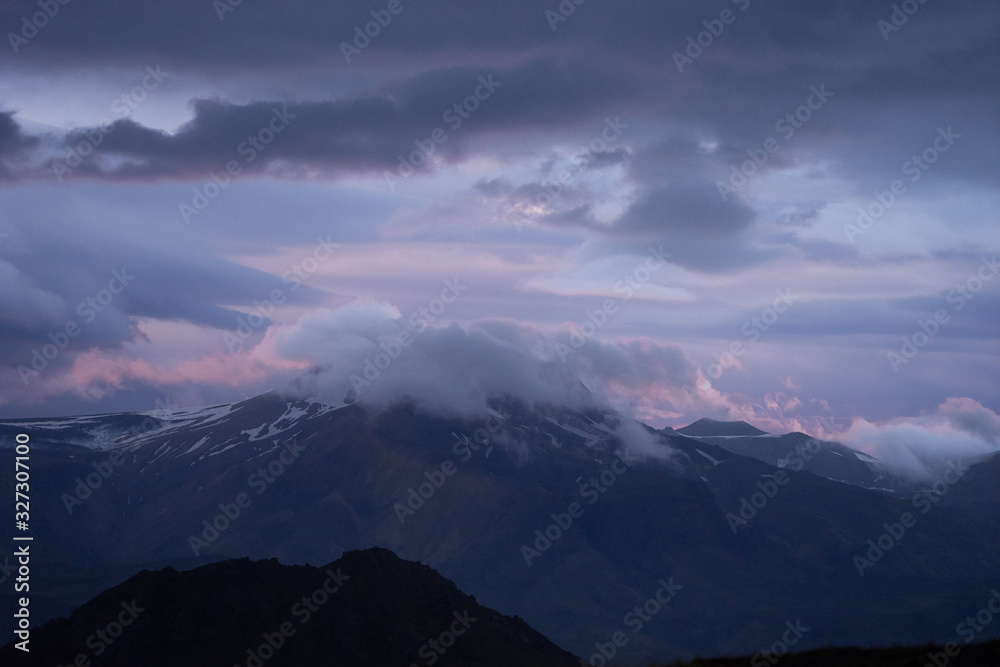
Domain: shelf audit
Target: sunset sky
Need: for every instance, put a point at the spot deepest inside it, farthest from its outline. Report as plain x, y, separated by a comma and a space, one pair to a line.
752, 202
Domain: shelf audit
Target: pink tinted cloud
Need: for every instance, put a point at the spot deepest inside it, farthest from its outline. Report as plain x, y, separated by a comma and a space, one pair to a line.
95, 369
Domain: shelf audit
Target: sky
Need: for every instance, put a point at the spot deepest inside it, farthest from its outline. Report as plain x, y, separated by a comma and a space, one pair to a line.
784, 212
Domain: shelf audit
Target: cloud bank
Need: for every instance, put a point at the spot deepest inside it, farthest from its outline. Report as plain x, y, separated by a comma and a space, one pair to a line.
367, 352
961, 429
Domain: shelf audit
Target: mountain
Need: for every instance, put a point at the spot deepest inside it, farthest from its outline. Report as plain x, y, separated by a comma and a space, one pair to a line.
979, 491
711, 428
575, 520
368, 609
832, 460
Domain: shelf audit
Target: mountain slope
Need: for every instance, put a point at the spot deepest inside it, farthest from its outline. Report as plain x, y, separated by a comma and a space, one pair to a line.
369, 608
832, 460
487, 503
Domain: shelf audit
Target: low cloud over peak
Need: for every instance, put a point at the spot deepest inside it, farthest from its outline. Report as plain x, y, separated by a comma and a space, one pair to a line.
367, 351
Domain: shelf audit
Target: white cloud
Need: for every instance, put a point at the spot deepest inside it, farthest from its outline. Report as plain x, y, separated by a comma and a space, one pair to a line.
368, 347
920, 447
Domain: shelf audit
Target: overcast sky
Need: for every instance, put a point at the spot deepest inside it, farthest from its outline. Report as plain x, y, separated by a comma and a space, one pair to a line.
777, 211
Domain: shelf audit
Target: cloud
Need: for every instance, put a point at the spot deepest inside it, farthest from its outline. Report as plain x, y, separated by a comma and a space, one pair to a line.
973, 418
23, 304
690, 209
15, 146
86, 286
368, 349
656, 185
921, 447
363, 132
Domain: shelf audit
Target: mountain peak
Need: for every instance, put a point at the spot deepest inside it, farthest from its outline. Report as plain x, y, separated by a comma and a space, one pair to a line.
710, 427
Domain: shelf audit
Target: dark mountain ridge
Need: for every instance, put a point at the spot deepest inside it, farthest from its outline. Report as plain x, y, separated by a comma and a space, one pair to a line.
369, 609
710, 427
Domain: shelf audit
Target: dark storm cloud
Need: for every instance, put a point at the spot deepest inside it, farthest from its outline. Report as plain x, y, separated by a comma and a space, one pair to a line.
52, 279
674, 200
656, 185
304, 32
335, 135
355, 135
195, 34
493, 187
12, 139
929, 73
15, 145
689, 209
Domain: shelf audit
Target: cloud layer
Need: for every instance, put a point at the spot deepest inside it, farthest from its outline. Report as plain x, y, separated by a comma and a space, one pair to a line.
367, 352
205, 151
960, 430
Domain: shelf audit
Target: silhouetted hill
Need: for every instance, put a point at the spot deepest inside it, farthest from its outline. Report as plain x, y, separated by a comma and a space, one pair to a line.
367, 608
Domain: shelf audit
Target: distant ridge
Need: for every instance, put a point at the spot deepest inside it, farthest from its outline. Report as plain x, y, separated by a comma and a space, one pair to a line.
709, 428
